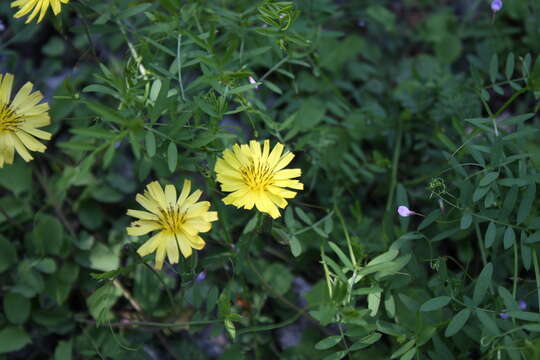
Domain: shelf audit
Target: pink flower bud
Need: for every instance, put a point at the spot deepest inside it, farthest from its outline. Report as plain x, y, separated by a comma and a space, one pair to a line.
405, 212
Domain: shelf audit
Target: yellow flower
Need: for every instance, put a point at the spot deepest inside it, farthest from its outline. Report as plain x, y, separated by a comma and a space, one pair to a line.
20, 120
37, 6
177, 220
257, 177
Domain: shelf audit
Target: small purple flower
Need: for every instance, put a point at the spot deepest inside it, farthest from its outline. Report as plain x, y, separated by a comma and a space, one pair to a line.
522, 305
496, 5
405, 212
504, 315
252, 81
201, 276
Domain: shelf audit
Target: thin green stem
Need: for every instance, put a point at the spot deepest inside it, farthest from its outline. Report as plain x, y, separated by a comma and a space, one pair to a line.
347, 237
536, 275
516, 269
395, 161
179, 66
480, 243
274, 68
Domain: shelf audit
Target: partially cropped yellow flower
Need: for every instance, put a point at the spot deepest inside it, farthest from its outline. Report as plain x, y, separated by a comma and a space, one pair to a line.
37, 7
257, 177
178, 221
20, 120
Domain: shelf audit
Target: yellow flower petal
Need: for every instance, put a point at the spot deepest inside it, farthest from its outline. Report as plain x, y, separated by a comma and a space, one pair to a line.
37, 7
257, 177
179, 221
19, 120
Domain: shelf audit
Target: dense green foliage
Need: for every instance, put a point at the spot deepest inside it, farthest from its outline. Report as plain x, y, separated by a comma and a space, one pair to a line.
426, 104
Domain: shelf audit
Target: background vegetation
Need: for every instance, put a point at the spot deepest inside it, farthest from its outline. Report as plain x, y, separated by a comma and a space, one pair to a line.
427, 104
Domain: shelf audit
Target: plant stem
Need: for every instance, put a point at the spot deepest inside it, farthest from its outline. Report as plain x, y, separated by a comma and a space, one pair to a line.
395, 161
537, 275
179, 62
516, 262
274, 68
480, 243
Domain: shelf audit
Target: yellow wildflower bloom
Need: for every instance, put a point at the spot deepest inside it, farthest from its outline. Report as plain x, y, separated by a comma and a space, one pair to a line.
177, 220
20, 120
257, 177
37, 6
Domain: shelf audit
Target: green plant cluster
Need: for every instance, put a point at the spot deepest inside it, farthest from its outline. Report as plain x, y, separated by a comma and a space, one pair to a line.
425, 104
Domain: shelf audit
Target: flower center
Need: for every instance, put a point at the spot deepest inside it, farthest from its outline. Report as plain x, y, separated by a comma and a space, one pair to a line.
172, 219
257, 177
9, 121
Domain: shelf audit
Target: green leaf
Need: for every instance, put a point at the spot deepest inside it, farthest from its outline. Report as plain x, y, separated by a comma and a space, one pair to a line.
48, 235
488, 178
296, 247
134, 10
12, 339
457, 322
328, 342
279, 276
526, 203
488, 323
101, 301
466, 220
107, 114
46, 265
94, 131
344, 259
16, 178
16, 308
525, 315
403, 349
366, 341
493, 68
409, 355
336, 356
435, 303
482, 283
374, 300
534, 238
434, 215
150, 142
510, 64
509, 237
491, 232
63, 350
8, 255
172, 156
